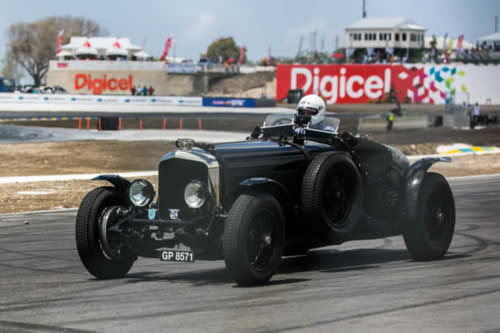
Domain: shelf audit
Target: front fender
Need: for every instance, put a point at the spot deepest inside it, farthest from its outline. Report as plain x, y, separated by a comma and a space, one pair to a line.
120, 183
270, 186
414, 178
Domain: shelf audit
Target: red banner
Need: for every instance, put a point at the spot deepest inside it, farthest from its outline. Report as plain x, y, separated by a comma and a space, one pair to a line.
242, 54
460, 42
350, 83
167, 47
60, 36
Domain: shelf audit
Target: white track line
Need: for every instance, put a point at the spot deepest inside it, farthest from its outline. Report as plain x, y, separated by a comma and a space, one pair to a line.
86, 176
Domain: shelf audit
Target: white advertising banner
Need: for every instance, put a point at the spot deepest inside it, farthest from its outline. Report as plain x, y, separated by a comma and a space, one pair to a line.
90, 99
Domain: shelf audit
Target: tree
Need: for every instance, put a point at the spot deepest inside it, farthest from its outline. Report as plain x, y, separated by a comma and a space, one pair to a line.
225, 47
32, 45
10, 68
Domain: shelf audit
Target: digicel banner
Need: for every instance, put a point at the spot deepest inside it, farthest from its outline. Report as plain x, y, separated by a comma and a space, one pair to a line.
100, 84
345, 83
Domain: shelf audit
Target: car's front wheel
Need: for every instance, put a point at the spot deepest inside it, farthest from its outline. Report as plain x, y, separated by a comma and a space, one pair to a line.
91, 249
253, 238
429, 236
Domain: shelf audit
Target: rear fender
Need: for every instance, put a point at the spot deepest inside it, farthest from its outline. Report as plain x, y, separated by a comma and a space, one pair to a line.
120, 183
414, 178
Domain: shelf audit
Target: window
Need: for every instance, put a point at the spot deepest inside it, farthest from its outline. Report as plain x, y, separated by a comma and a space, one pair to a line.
374, 36
359, 36
403, 36
413, 37
381, 36
366, 36
396, 37
389, 36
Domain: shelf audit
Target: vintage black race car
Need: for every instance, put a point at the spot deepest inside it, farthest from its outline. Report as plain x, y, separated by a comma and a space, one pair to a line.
278, 193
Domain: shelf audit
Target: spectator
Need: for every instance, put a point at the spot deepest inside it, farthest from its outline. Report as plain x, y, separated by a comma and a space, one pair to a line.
475, 114
138, 91
132, 90
390, 120
144, 91
151, 91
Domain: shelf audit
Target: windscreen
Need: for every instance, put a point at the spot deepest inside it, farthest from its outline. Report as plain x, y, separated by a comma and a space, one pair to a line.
277, 119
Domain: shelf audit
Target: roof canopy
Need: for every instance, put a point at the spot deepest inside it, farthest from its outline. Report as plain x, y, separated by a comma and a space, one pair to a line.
386, 23
101, 43
491, 38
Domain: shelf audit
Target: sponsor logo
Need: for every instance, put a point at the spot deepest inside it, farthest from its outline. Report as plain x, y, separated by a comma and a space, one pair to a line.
98, 85
174, 213
152, 213
62, 65
362, 83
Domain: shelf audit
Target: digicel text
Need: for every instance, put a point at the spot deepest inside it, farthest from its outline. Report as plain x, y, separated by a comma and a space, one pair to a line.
338, 84
98, 85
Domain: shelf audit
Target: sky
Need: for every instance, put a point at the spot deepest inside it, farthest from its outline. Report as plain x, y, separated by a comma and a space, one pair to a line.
257, 24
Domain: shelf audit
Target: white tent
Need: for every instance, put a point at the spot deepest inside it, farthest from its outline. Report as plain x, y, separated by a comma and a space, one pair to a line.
86, 48
116, 51
142, 55
64, 53
491, 38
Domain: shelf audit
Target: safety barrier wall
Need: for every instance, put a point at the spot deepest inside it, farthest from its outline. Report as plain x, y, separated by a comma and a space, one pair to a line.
136, 100
405, 122
99, 99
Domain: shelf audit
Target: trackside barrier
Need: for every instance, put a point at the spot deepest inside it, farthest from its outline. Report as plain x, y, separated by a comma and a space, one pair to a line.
380, 123
6, 98
239, 102
99, 99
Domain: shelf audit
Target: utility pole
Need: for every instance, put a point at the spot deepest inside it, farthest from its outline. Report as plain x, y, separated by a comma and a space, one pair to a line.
301, 40
322, 43
496, 23
364, 8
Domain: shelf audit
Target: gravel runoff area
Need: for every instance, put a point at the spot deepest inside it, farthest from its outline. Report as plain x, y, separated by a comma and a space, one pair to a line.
115, 157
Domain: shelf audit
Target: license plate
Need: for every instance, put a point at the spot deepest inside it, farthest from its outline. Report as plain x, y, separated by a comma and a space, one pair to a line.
177, 256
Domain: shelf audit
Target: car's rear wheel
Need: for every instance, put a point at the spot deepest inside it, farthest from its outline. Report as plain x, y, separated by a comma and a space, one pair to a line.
332, 195
430, 235
89, 243
253, 238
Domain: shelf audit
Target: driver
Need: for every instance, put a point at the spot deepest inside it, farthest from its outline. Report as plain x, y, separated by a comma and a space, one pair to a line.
311, 114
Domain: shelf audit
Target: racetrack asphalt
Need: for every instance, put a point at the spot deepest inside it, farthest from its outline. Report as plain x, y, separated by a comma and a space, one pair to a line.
356, 287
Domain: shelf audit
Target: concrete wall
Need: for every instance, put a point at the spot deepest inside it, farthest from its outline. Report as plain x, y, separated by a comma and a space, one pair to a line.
120, 82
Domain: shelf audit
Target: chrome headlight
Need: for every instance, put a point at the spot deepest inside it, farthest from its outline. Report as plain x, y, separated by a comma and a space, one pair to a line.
141, 192
195, 194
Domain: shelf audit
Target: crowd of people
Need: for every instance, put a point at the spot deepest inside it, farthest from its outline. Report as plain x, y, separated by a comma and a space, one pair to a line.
142, 91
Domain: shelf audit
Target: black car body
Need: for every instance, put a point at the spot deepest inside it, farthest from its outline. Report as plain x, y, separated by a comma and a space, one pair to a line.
251, 202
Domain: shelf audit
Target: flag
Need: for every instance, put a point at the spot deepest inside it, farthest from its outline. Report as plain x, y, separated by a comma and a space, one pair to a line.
167, 47
242, 54
117, 45
445, 48
60, 36
460, 43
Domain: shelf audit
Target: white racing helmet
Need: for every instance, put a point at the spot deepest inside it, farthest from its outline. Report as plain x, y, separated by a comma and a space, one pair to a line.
316, 107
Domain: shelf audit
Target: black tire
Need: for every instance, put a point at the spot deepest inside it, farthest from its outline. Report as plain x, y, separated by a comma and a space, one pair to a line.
249, 257
332, 195
430, 235
87, 236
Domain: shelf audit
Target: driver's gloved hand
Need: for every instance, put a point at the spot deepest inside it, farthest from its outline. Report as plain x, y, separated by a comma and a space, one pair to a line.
300, 130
